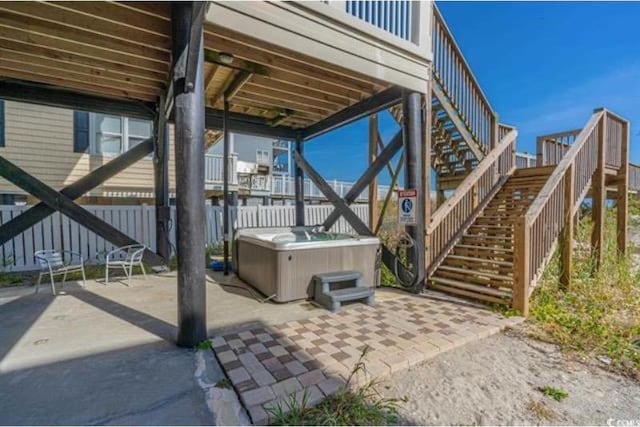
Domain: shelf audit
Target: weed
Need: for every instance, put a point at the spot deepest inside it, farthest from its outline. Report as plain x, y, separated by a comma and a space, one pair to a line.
348, 406
541, 411
224, 383
557, 394
204, 345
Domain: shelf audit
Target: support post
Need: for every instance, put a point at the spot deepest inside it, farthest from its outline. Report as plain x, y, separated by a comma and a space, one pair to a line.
189, 165
426, 156
225, 186
522, 278
623, 193
299, 185
599, 197
161, 181
566, 240
413, 136
373, 185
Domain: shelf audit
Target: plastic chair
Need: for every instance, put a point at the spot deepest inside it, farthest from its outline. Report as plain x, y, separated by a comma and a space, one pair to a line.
53, 263
126, 258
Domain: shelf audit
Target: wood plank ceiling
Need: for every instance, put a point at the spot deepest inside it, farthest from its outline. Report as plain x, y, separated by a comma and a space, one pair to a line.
122, 50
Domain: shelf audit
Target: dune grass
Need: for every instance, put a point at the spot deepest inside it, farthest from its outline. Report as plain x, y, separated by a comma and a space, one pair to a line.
600, 315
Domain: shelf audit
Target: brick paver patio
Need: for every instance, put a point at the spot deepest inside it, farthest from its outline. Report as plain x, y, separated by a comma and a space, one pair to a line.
268, 364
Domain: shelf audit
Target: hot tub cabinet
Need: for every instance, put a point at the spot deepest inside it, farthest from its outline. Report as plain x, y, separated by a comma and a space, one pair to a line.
280, 262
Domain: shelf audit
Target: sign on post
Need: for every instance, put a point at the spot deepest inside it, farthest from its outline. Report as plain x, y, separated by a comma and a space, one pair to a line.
407, 204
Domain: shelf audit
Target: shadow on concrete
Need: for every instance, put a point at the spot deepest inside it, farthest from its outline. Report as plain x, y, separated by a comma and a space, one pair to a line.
150, 384
142, 320
17, 316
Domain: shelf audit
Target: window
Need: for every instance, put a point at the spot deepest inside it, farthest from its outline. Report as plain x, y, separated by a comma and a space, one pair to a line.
113, 135
262, 157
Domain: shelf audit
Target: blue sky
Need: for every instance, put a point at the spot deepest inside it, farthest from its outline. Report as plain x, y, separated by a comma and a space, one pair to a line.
543, 66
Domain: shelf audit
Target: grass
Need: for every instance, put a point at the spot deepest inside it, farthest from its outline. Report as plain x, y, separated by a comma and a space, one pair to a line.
556, 394
204, 345
542, 411
600, 314
349, 406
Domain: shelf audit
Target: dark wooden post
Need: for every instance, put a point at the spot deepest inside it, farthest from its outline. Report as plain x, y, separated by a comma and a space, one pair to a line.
189, 164
412, 139
599, 196
623, 193
226, 155
566, 240
161, 181
373, 185
299, 186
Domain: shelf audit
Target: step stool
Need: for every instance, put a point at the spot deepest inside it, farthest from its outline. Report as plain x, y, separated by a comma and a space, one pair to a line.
333, 299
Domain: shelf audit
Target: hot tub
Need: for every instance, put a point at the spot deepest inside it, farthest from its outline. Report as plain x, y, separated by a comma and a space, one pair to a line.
280, 262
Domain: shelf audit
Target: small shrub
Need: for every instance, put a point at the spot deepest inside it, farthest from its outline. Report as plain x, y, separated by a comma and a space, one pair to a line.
362, 406
557, 394
204, 345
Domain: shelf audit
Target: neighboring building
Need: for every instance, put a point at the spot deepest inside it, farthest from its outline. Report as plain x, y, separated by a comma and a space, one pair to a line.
59, 146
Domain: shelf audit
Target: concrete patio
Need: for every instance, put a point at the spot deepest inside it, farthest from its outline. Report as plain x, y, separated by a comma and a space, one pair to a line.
105, 354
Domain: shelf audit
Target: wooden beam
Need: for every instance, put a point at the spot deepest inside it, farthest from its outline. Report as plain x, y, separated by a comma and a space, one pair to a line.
68, 207
101, 25
373, 184
46, 41
63, 98
40, 211
599, 197
623, 193
521, 262
374, 169
375, 103
58, 31
277, 92
246, 124
337, 99
566, 239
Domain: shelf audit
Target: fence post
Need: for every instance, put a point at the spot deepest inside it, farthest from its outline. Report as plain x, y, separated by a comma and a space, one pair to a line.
521, 259
599, 192
623, 192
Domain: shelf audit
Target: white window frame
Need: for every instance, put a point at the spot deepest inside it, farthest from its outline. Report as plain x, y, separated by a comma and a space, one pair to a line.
259, 154
125, 135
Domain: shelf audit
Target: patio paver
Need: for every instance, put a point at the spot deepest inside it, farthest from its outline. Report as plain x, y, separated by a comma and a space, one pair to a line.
318, 354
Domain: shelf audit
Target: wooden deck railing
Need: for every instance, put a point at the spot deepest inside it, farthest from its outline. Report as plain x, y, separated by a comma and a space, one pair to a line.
457, 213
552, 148
537, 231
454, 76
634, 177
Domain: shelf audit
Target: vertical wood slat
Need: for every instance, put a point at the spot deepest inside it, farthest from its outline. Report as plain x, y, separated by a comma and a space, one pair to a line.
623, 192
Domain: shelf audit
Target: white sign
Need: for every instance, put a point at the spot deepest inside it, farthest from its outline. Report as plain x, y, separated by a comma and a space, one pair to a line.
407, 204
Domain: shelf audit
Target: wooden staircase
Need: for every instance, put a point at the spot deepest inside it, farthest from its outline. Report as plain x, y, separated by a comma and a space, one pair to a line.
481, 264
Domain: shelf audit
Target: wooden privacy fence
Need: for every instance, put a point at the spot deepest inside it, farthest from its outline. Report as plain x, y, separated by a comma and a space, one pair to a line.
59, 232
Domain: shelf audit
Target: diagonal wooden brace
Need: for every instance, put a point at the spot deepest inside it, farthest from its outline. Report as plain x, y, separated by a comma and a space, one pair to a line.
37, 213
68, 207
388, 258
374, 169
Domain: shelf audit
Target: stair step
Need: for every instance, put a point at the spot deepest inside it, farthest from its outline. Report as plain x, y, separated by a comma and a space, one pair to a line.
484, 248
470, 290
483, 237
349, 294
338, 276
481, 260
464, 271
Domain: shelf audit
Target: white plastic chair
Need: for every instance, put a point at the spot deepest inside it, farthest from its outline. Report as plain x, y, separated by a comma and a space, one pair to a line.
125, 258
53, 263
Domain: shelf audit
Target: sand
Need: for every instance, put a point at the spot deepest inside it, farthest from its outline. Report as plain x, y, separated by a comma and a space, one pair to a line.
495, 382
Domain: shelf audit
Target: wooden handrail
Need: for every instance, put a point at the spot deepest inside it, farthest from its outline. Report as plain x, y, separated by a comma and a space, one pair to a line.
440, 20
558, 174
470, 180
454, 76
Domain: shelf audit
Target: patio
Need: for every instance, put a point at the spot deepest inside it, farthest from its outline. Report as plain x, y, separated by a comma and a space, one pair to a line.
106, 354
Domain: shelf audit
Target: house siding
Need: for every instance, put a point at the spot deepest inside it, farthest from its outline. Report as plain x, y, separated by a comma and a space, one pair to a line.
40, 140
